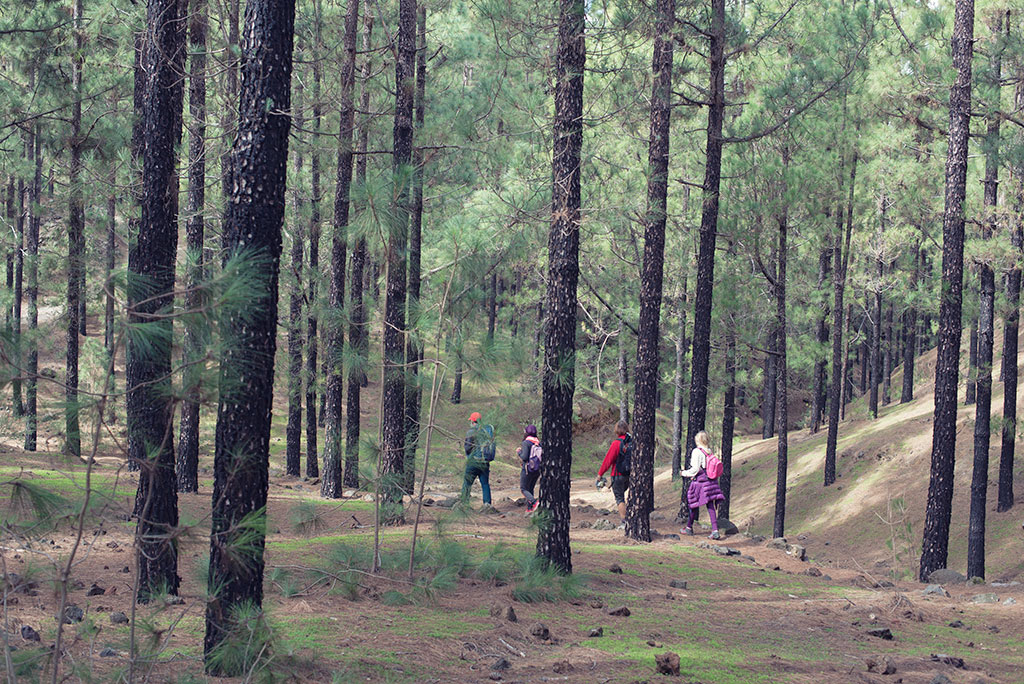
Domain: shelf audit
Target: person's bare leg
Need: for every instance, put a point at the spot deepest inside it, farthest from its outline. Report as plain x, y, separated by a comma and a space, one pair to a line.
622, 511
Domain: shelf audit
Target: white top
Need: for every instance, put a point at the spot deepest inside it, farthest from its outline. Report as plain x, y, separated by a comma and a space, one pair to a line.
698, 460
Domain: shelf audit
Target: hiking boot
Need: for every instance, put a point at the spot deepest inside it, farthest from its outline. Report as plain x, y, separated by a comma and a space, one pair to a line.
688, 531
489, 509
622, 526
532, 507
714, 535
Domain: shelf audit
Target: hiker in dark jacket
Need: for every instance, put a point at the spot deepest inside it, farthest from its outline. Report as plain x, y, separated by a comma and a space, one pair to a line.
479, 448
528, 478
620, 478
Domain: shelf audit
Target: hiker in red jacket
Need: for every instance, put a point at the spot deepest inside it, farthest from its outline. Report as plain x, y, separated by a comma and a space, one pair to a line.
618, 460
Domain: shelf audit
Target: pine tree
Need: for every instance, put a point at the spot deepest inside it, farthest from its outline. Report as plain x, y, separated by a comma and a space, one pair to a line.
252, 242
196, 335
151, 260
986, 291
641, 479
935, 541
293, 428
840, 318
700, 361
393, 399
331, 483
357, 322
76, 243
563, 275
413, 347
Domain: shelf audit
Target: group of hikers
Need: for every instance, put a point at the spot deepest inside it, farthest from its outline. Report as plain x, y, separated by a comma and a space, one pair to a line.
704, 471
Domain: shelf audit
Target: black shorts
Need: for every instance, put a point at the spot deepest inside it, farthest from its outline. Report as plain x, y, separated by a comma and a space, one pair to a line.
620, 483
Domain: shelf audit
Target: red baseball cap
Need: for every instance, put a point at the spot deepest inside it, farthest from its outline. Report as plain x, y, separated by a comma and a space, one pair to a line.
474, 416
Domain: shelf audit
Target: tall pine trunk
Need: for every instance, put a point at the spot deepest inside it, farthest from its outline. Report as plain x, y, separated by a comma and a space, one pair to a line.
296, 342
701, 358
252, 240
393, 397
782, 379
76, 244
109, 261
413, 347
679, 388
623, 378
972, 364
840, 322
820, 366
357, 334
32, 292
728, 423
331, 485
563, 276
151, 260
641, 478
875, 354
986, 315
196, 333
910, 332
935, 541
312, 464
19, 285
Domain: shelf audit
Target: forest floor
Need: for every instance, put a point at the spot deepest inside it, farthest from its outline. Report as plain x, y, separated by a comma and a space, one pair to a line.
760, 616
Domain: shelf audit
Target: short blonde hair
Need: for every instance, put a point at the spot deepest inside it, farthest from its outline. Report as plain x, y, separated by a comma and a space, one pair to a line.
702, 440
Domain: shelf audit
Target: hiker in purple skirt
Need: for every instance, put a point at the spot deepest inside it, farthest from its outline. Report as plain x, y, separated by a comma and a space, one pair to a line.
704, 489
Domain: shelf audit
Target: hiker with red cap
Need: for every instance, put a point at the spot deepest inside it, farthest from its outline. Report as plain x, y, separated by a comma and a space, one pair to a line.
480, 449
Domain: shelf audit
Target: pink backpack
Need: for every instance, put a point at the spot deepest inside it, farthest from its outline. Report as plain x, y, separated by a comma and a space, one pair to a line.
714, 466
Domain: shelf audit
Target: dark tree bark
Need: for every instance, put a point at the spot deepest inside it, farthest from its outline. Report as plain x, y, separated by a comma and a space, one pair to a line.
840, 262
768, 387
393, 399
229, 122
492, 304
910, 333
331, 485
296, 341
151, 260
679, 387
357, 334
19, 274
889, 346
623, 378
728, 423
986, 315
781, 384
641, 479
1011, 327
11, 220
701, 358
252, 236
314, 214
32, 292
563, 275
76, 244
312, 323
456, 397
196, 337
875, 359
935, 541
109, 261
413, 348
972, 365
864, 352
820, 366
